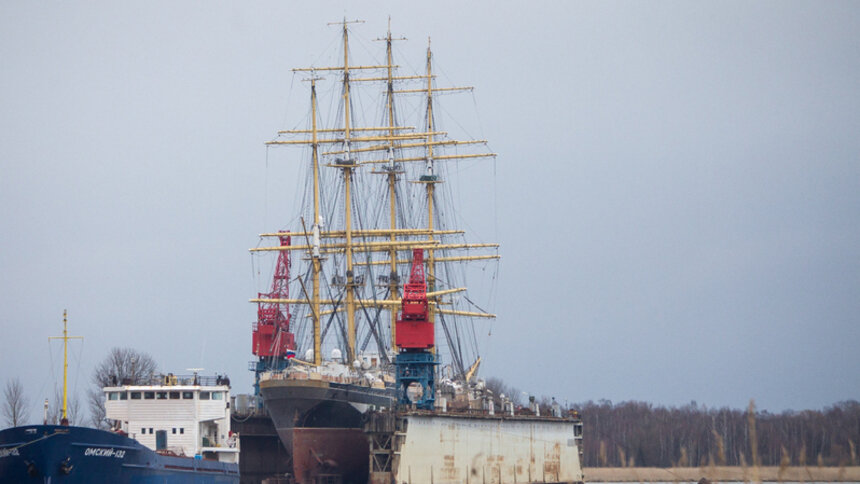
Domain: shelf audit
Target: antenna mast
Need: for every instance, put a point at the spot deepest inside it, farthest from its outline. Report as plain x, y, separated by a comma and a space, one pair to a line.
64, 420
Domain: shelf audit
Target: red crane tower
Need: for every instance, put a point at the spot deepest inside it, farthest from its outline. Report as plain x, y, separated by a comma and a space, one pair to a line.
414, 331
272, 336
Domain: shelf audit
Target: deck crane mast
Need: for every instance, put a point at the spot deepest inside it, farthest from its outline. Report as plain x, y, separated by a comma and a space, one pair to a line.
273, 344
415, 338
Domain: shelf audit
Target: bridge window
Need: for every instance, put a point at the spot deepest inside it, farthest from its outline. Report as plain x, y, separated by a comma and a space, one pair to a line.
188, 395
174, 395
148, 395
204, 395
135, 395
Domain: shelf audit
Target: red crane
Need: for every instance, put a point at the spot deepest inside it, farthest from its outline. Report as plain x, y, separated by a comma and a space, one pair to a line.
272, 335
414, 330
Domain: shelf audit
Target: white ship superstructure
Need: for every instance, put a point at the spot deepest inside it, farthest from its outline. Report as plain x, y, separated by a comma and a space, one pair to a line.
181, 415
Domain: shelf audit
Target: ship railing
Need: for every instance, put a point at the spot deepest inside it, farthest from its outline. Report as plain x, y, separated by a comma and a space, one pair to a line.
232, 442
171, 379
463, 409
310, 374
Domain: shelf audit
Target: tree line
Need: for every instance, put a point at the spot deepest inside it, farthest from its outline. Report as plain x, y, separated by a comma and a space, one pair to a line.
125, 366
640, 434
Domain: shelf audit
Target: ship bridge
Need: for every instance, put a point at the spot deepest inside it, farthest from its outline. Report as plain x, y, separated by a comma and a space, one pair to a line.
182, 415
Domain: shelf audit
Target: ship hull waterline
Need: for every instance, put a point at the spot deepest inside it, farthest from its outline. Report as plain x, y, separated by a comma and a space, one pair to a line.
72, 455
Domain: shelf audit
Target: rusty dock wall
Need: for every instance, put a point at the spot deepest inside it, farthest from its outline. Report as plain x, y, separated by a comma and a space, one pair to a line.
440, 448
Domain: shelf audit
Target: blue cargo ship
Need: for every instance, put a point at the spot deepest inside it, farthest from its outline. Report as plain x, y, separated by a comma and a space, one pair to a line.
169, 429
61, 454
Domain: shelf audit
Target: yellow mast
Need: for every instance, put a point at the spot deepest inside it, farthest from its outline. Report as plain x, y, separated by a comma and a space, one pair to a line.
413, 145
366, 233
431, 182
347, 177
65, 337
354, 139
315, 255
394, 293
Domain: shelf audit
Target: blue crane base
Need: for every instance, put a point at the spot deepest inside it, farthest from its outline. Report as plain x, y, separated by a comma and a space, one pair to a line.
417, 367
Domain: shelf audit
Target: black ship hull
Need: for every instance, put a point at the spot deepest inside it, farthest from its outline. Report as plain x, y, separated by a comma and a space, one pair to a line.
320, 424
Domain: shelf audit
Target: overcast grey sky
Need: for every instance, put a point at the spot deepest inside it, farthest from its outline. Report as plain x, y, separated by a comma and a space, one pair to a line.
678, 186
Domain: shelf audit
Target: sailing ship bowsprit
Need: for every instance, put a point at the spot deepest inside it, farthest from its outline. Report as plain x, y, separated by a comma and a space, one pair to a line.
375, 201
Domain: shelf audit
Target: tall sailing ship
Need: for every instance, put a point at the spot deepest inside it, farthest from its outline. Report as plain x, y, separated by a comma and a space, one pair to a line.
375, 199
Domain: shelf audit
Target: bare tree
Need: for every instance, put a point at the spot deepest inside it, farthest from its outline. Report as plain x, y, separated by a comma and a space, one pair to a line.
95, 399
55, 407
499, 387
15, 403
74, 411
658, 436
122, 366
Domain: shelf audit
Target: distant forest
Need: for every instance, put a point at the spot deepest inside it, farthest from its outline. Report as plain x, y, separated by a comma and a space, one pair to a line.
640, 434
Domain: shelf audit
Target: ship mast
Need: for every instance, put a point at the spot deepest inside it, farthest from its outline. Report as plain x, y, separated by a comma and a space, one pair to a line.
64, 420
315, 254
347, 166
391, 172
430, 180
392, 178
